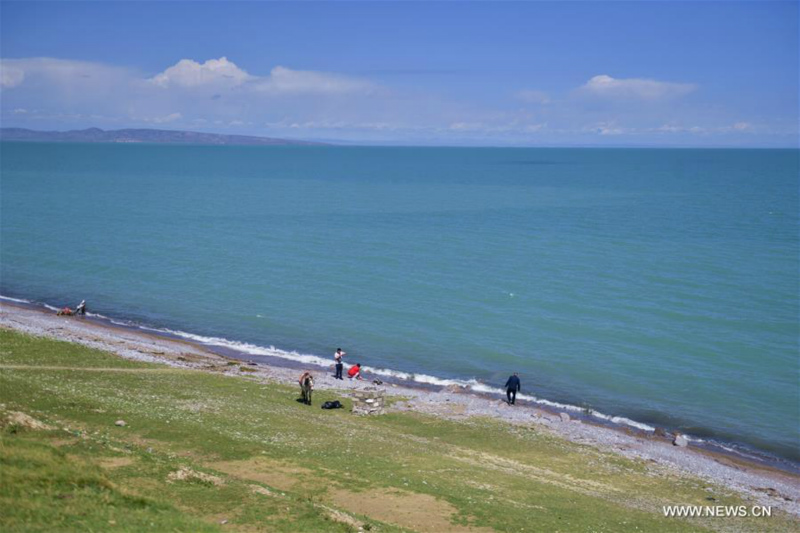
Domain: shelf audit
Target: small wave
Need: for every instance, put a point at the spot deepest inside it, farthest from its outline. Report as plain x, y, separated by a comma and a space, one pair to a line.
245, 347
727, 448
622, 421
18, 300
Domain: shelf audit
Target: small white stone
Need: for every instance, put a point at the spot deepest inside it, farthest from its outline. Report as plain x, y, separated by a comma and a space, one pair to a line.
680, 440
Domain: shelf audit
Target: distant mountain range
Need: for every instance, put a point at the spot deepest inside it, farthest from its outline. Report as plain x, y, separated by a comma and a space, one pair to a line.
96, 135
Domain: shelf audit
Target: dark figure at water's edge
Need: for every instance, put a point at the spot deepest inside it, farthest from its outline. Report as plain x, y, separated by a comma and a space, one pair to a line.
80, 310
337, 357
512, 388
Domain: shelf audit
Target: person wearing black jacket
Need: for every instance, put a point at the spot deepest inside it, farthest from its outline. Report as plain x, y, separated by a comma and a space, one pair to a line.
512, 388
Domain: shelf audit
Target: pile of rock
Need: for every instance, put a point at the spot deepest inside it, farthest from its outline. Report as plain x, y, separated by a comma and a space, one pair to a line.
368, 401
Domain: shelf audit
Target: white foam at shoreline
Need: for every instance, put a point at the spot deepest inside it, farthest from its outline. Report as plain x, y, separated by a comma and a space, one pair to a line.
18, 300
271, 351
425, 379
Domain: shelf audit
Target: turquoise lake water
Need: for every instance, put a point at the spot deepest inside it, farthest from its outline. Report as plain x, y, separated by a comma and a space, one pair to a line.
656, 285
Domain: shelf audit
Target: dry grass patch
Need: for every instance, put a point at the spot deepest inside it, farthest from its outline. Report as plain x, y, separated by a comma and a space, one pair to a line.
269, 472
187, 474
21, 420
115, 462
420, 512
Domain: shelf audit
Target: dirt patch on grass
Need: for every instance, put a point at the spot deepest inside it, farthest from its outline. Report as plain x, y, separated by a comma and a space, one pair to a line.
456, 409
21, 420
273, 473
342, 518
258, 489
420, 512
187, 474
115, 462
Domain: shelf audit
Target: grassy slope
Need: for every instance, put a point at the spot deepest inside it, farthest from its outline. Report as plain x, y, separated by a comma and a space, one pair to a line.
383, 472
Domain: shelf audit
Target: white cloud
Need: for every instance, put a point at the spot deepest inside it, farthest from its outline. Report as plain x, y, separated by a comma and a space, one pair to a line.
172, 117
498, 126
533, 97
531, 128
334, 125
222, 73
607, 128
10, 75
190, 73
467, 126
43, 72
670, 128
605, 86
738, 127
285, 80
674, 128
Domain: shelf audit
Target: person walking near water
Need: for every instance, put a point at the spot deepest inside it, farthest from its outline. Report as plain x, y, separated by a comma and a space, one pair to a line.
337, 357
512, 388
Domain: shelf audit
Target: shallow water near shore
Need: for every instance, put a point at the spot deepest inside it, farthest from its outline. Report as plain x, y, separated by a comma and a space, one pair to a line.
656, 285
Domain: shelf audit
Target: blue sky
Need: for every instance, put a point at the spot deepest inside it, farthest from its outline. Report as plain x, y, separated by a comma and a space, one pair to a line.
494, 73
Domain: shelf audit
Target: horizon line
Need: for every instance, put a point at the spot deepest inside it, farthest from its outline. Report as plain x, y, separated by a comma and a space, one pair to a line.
375, 144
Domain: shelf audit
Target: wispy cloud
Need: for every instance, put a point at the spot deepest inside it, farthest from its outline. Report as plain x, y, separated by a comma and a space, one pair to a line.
10, 74
531, 96
604, 86
285, 80
166, 119
42, 72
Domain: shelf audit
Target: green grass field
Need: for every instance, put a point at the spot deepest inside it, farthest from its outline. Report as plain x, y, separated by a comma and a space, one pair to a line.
209, 452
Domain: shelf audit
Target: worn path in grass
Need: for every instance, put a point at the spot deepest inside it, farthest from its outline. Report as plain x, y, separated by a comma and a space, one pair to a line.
91, 369
208, 452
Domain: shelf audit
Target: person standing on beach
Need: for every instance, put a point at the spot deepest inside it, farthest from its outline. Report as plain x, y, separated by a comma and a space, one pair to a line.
513, 386
337, 357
